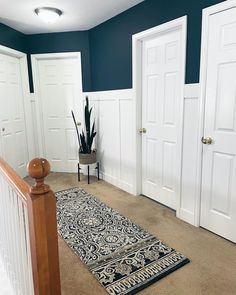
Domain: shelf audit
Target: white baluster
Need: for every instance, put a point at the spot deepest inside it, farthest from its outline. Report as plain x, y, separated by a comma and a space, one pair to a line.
14, 240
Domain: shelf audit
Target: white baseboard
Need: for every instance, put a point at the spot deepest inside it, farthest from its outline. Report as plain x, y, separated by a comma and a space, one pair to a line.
187, 216
118, 183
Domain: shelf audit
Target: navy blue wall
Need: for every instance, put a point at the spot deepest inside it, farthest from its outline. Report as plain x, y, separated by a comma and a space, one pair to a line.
49, 43
63, 42
12, 38
111, 42
107, 49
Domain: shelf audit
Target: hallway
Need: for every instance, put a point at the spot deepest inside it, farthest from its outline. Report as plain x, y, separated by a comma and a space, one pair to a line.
212, 269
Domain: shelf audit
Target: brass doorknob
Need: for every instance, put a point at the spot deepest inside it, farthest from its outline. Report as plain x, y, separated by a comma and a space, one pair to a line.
142, 130
207, 140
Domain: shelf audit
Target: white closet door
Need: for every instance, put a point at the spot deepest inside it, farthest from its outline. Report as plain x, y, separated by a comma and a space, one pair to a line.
218, 199
161, 116
12, 119
60, 91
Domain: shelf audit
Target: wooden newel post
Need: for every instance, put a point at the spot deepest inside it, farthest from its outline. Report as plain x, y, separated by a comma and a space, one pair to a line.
43, 231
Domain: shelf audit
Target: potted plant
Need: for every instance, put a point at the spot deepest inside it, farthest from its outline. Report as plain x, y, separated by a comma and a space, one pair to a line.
87, 155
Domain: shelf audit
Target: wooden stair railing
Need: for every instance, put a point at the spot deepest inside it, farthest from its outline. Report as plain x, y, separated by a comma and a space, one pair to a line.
43, 231
39, 202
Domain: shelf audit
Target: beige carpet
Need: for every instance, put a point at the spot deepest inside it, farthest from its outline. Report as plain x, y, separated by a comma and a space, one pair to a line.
212, 270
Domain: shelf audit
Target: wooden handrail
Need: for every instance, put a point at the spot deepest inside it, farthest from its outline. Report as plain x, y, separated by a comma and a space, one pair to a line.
41, 207
14, 180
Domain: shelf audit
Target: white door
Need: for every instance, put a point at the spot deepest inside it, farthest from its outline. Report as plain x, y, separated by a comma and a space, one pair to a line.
218, 198
12, 119
162, 81
59, 91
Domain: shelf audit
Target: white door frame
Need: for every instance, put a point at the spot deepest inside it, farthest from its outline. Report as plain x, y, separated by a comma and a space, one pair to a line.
35, 58
206, 13
26, 97
181, 24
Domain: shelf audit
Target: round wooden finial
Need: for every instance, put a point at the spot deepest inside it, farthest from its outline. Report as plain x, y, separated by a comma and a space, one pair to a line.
39, 169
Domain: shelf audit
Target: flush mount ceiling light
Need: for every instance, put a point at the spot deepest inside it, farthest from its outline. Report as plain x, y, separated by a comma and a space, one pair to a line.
48, 14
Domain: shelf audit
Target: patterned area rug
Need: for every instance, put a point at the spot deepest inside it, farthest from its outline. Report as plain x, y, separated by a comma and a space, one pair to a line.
123, 257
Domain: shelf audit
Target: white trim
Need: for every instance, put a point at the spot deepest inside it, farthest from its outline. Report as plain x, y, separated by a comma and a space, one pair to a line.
191, 90
180, 23
27, 105
26, 95
107, 94
11, 52
207, 12
55, 55
35, 58
189, 157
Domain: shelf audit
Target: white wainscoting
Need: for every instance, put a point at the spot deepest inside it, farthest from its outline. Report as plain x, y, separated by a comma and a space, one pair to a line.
189, 187
114, 113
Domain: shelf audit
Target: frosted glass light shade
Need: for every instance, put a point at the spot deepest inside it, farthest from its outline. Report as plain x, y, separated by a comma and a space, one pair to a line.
48, 14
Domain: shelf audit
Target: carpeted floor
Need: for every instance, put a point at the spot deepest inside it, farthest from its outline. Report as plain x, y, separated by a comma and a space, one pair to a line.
212, 270
123, 257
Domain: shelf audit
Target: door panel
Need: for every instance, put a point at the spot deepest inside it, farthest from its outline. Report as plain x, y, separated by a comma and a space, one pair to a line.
221, 182
12, 118
218, 200
161, 109
168, 164
171, 79
60, 92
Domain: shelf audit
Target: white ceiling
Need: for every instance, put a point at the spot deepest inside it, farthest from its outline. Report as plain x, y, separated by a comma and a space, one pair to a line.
77, 14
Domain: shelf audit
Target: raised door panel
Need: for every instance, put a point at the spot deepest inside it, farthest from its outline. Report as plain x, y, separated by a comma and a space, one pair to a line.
170, 99
54, 153
221, 183
71, 151
151, 159
152, 99
225, 115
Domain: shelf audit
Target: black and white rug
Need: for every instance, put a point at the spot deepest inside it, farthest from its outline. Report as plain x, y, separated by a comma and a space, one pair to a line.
123, 257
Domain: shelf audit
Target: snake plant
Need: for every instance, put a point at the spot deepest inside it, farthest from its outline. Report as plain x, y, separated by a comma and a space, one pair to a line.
85, 138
